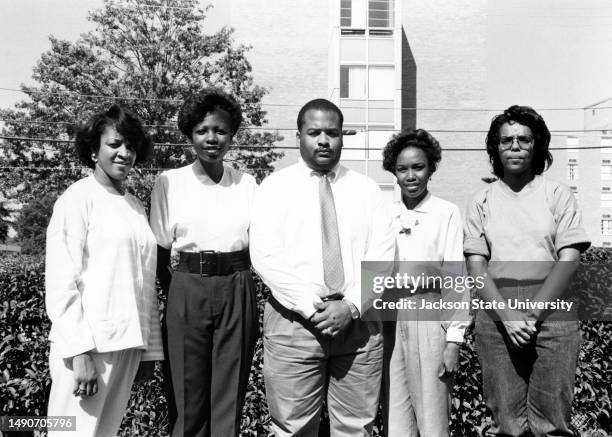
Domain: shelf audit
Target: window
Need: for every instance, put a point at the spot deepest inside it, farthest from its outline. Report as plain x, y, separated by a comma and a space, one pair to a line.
606, 198
606, 227
572, 171
381, 83
575, 192
345, 13
606, 169
380, 13
572, 159
380, 80
353, 13
352, 82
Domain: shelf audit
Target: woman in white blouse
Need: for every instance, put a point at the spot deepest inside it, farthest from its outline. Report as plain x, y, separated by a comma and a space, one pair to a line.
202, 211
425, 352
100, 281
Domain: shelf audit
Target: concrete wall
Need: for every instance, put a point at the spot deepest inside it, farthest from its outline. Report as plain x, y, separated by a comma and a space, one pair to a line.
289, 55
446, 41
446, 74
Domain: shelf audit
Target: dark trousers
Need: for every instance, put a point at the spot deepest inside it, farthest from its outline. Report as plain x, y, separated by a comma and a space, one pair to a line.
211, 330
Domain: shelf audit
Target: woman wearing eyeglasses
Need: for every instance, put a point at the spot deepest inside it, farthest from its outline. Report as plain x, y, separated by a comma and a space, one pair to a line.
523, 235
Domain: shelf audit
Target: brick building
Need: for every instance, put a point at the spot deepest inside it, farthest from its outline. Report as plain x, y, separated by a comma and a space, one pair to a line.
392, 64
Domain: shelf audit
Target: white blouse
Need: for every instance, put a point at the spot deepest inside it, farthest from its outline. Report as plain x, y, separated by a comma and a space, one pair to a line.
100, 273
190, 212
432, 231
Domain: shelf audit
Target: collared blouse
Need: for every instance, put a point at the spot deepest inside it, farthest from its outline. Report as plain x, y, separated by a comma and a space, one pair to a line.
432, 231
190, 212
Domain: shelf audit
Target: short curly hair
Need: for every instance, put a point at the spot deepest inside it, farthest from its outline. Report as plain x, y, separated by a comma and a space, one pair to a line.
87, 140
196, 107
527, 116
418, 138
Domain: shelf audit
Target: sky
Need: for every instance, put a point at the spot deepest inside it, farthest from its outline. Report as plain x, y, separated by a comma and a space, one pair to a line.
25, 26
551, 53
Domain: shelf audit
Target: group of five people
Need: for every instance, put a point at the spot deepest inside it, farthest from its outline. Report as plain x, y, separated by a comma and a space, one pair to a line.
307, 228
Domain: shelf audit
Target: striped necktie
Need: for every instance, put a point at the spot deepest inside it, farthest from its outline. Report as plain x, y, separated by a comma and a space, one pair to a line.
333, 270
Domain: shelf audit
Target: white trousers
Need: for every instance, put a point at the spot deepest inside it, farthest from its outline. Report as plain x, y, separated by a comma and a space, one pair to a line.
99, 415
419, 402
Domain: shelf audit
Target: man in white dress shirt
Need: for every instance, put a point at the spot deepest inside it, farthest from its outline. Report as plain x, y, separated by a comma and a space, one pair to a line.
313, 223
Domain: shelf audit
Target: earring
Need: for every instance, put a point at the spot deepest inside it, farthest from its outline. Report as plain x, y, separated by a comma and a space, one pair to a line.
94, 158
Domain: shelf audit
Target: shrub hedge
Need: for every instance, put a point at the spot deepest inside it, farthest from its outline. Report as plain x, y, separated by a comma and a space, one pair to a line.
24, 375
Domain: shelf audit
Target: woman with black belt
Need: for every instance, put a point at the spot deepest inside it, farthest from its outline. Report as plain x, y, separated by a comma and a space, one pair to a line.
203, 212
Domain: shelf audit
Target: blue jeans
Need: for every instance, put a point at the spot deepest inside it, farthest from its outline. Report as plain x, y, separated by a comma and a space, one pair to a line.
528, 389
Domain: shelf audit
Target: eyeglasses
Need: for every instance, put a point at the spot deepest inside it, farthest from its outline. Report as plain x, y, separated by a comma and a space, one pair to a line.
524, 141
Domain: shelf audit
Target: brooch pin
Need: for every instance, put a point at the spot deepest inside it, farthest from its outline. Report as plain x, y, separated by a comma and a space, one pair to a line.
407, 224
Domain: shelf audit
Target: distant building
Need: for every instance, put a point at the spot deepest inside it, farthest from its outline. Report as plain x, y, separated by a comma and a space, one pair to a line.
387, 64
594, 184
398, 64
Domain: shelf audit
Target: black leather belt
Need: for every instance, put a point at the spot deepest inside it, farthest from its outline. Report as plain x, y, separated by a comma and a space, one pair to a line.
212, 263
292, 315
335, 296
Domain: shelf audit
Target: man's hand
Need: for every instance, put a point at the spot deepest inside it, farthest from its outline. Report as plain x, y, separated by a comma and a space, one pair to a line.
519, 326
145, 371
332, 317
85, 375
450, 361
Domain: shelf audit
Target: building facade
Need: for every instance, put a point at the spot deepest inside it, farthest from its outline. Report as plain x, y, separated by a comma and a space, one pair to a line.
596, 182
393, 64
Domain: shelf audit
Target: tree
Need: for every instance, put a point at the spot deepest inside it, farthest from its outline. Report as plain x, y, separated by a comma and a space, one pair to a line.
4, 226
147, 57
32, 223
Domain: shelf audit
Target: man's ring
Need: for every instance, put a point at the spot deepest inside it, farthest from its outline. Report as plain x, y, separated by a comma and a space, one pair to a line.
327, 331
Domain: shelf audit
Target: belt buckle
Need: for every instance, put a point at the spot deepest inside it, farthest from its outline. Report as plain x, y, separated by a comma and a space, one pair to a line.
208, 265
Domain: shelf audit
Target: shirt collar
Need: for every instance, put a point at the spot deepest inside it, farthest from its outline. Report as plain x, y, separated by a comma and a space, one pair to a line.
424, 205
334, 172
203, 177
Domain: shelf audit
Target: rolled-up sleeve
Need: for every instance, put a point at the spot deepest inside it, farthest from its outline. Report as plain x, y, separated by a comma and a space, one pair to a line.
568, 220
474, 241
66, 236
